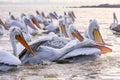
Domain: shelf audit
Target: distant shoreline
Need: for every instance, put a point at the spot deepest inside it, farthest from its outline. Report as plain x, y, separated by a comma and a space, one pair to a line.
98, 6
65, 6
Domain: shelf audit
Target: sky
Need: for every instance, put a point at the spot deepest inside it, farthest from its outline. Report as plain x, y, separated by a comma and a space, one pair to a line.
63, 2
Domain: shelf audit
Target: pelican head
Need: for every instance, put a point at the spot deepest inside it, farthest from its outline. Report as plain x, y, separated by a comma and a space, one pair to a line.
53, 15
16, 34
62, 27
43, 14
94, 33
35, 21
37, 12
73, 14
27, 21
11, 16
74, 33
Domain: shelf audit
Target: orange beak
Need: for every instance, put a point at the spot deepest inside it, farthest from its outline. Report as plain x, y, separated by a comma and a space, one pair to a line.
24, 43
35, 22
63, 31
77, 35
97, 37
103, 49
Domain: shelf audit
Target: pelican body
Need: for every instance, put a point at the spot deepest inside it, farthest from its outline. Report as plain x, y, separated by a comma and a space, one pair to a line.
87, 49
115, 26
7, 60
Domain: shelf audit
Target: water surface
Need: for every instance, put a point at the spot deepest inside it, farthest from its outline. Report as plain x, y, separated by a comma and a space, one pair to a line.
106, 67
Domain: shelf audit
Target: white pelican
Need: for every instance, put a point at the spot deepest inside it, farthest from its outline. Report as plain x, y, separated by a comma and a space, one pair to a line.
115, 22
40, 17
69, 18
52, 25
115, 26
11, 16
8, 60
71, 50
93, 32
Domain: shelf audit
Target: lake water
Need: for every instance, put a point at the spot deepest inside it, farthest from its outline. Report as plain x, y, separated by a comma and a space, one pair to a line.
106, 67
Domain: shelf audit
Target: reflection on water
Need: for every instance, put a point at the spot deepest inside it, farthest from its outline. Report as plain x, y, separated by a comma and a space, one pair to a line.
106, 67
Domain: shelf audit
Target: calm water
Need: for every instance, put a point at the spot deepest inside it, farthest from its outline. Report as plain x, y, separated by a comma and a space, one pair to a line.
106, 67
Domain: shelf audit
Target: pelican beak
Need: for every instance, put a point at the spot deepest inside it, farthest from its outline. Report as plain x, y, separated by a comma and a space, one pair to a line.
97, 36
1, 22
55, 17
77, 35
73, 15
42, 13
35, 22
24, 43
63, 30
103, 49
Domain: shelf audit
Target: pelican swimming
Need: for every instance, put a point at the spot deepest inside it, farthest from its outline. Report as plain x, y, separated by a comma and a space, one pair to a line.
51, 21
11, 16
7, 60
115, 22
40, 17
115, 26
71, 50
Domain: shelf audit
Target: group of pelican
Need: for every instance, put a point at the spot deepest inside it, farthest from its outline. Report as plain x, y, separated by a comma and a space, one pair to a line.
67, 46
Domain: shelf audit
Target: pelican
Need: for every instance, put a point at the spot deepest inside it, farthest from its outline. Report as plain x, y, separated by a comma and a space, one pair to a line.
51, 26
115, 22
93, 32
33, 19
115, 26
71, 50
40, 17
7, 60
11, 16
69, 18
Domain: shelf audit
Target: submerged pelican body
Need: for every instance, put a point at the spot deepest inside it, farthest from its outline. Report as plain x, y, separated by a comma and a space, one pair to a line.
71, 50
7, 60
